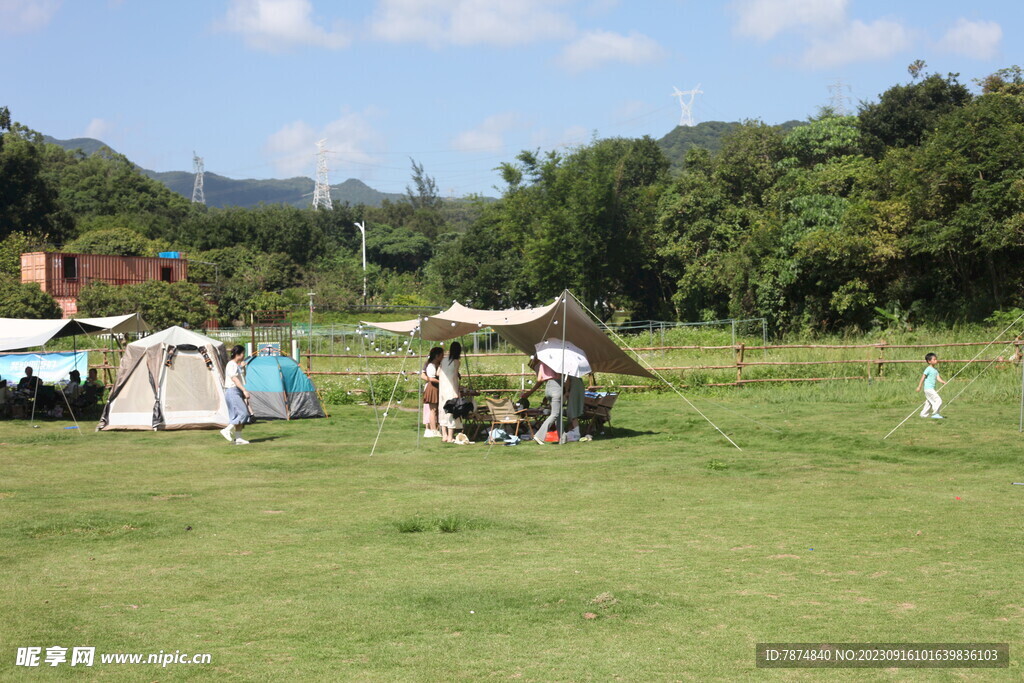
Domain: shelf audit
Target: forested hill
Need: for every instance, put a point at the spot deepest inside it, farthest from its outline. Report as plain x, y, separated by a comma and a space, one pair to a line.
706, 134
222, 191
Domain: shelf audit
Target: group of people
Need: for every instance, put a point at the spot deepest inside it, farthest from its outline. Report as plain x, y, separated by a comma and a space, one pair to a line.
76, 394
442, 384
442, 378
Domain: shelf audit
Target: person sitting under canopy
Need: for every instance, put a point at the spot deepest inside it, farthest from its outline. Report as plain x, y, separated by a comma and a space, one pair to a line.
29, 384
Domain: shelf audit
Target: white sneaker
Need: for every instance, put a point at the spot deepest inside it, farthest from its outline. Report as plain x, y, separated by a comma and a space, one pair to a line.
228, 433
241, 442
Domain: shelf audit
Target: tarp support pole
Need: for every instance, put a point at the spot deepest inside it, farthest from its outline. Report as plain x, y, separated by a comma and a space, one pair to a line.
419, 411
561, 404
1020, 359
35, 393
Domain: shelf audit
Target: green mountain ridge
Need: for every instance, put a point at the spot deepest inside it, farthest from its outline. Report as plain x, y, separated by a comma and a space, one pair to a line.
221, 191
707, 134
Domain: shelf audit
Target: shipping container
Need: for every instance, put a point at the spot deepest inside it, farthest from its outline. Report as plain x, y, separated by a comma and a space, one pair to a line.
63, 275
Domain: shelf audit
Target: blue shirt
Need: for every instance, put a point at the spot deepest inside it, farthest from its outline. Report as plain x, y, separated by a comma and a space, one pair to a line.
930, 374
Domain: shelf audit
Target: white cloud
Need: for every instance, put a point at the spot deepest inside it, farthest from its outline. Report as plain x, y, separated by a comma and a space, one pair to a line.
765, 19
100, 129
25, 16
275, 25
489, 136
857, 42
596, 48
292, 149
975, 39
469, 22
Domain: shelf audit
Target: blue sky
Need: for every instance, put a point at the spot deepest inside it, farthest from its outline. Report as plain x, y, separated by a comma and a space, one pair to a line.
458, 85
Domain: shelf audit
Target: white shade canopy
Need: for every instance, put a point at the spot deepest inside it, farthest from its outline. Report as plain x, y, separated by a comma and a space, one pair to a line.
20, 333
525, 328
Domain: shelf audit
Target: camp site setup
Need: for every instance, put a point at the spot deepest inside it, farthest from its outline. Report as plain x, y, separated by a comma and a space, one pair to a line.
563, 323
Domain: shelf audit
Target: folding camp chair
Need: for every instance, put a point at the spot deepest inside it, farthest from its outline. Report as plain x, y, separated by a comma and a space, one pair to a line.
598, 411
504, 413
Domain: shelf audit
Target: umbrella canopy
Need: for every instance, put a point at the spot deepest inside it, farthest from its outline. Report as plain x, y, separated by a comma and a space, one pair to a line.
564, 358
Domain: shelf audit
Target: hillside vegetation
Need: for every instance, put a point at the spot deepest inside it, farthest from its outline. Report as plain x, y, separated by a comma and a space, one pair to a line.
910, 211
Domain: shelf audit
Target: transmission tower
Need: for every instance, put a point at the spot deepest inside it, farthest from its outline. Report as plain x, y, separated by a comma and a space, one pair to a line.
686, 116
322, 191
198, 196
839, 101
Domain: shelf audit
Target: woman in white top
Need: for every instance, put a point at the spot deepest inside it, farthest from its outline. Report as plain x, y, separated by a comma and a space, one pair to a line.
430, 393
236, 395
448, 388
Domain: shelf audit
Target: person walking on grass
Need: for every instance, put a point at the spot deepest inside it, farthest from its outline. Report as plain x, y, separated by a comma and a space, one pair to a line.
932, 400
237, 397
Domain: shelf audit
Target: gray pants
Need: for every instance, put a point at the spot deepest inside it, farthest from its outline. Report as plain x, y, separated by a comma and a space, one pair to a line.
553, 390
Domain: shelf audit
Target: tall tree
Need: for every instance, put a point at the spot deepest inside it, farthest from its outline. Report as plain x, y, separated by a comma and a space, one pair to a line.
904, 114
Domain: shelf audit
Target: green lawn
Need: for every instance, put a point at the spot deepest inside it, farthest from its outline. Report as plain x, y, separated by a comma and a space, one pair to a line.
659, 553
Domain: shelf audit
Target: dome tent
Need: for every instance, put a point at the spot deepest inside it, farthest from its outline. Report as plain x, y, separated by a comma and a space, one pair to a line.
173, 379
279, 389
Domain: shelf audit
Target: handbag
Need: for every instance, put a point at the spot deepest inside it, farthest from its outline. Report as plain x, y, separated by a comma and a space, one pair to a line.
458, 407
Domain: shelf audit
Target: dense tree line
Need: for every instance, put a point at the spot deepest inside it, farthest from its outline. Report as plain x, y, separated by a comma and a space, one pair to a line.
913, 205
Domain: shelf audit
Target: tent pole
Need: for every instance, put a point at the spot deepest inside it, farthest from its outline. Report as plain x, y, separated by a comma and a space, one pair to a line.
369, 381
35, 393
561, 404
1021, 361
419, 412
401, 373
71, 411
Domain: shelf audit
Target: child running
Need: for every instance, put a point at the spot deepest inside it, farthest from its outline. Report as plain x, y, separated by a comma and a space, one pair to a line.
932, 400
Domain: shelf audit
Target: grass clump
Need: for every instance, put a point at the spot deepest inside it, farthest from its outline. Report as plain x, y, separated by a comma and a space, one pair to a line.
445, 523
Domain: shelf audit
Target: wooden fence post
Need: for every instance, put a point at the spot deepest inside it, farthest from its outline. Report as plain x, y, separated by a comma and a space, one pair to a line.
739, 362
881, 356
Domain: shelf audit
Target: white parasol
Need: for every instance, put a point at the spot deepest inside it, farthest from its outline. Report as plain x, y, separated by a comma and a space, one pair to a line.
565, 358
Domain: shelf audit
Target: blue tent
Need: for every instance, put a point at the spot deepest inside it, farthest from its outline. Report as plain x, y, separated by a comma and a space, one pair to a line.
279, 389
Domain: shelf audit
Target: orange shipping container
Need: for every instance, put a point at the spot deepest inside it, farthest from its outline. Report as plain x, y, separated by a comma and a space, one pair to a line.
63, 275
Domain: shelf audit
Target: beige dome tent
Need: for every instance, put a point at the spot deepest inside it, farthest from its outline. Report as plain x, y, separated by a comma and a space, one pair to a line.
173, 379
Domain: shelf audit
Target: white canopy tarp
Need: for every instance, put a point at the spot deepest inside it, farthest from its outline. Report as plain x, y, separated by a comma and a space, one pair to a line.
20, 333
525, 328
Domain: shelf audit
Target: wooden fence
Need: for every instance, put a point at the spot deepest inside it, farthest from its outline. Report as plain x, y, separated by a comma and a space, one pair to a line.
874, 367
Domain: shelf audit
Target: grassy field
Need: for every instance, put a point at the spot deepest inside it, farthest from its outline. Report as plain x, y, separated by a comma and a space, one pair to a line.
658, 552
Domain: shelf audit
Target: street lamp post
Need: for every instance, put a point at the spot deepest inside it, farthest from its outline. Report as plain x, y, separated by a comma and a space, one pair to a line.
362, 229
